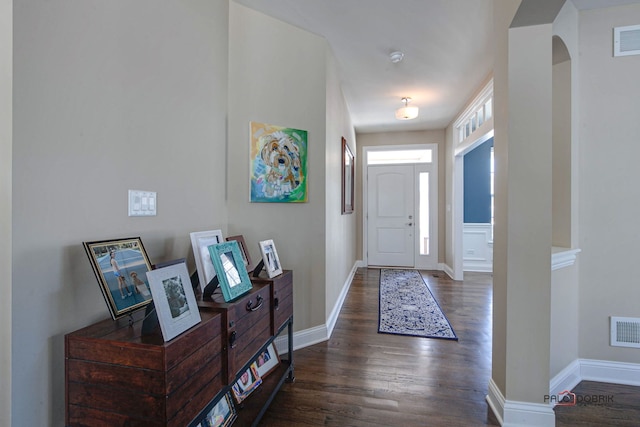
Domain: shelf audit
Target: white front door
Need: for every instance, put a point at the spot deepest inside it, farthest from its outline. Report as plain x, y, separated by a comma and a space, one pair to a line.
391, 215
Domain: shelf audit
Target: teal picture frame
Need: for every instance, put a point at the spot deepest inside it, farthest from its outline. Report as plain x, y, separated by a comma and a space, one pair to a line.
230, 268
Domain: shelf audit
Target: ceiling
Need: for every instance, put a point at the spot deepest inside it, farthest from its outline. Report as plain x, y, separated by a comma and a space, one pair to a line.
447, 49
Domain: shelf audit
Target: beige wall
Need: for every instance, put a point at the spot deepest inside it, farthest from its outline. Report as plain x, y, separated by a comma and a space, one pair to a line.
528, 261
263, 89
340, 234
564, 282
119, 95
503, 13
609, 194
109, 96
561, 233
6, 87
404, 138
564, 319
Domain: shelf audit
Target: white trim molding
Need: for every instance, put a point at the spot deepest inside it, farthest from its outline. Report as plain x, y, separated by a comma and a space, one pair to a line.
511, 413
567, 379
518, 414
496, 401
594, 370
333, 317
478, 247
302, 339
610, 372
320, 333
563, 257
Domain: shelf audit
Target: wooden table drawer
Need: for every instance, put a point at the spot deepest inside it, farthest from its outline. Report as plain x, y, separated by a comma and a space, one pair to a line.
281, 297
247, 325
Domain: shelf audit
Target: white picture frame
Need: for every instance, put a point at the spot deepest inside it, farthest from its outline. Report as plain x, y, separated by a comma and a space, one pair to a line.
270, 258
200, 242
174, 300
267, 361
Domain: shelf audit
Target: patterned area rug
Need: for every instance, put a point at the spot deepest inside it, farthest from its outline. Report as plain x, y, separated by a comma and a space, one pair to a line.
407, 307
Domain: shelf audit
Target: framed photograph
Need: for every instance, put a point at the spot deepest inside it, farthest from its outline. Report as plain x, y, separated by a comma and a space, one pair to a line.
267, 361
270, 258
174, 299
232, 274
249, 381
278, 169
200, 242
243, 249
120, 266
223, 413
348, 178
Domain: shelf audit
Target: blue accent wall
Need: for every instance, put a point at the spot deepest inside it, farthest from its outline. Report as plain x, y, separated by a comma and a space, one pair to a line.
477, 184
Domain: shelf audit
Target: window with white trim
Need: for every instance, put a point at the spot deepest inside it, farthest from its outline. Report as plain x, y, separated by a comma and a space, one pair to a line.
479, 112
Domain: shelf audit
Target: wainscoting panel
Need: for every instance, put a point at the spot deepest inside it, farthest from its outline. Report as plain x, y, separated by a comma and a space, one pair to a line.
478, 247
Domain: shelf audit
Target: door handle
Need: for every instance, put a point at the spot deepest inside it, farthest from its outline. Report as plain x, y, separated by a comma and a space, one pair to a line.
410, 224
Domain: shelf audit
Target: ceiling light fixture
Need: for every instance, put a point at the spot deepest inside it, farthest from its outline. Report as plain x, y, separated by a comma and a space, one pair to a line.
406, 112
396, 56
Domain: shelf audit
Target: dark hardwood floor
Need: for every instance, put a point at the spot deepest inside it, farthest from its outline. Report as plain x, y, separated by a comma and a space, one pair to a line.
601, 405
362, 378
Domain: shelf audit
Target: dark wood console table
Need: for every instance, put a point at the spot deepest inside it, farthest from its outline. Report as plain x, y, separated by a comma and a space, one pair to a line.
115, 376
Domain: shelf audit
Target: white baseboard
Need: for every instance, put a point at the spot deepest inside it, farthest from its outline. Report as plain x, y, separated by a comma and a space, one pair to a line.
519, 414
302, 339
448, 270
566, 379
333, 317
478, 268
496, 400
610, 372
510, 413
594, 370
311, 336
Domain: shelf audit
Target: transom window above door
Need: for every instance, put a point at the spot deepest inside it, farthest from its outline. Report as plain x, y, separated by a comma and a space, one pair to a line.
387, 157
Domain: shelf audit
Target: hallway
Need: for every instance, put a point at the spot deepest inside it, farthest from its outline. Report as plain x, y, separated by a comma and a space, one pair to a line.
362, 378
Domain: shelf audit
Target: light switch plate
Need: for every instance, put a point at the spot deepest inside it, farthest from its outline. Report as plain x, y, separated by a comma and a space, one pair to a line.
142, 203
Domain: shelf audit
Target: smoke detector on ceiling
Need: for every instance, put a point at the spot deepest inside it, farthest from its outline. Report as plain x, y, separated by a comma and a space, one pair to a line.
396, 56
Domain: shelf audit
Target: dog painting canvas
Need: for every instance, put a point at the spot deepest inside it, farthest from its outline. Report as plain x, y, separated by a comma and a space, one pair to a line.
278, 164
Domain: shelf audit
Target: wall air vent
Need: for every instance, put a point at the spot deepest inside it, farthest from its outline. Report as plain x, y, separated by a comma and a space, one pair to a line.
626, 40
625, 332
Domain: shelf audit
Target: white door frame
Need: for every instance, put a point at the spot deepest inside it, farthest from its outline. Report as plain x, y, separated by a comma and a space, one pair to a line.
458, 202
365, 191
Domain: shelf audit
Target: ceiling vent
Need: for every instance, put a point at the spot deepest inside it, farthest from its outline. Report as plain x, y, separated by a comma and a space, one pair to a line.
626, 40
625, 332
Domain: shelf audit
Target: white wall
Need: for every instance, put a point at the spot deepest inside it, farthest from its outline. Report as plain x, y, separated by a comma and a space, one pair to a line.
609, 173
109, 96
277, 75
6, 115
477, 241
